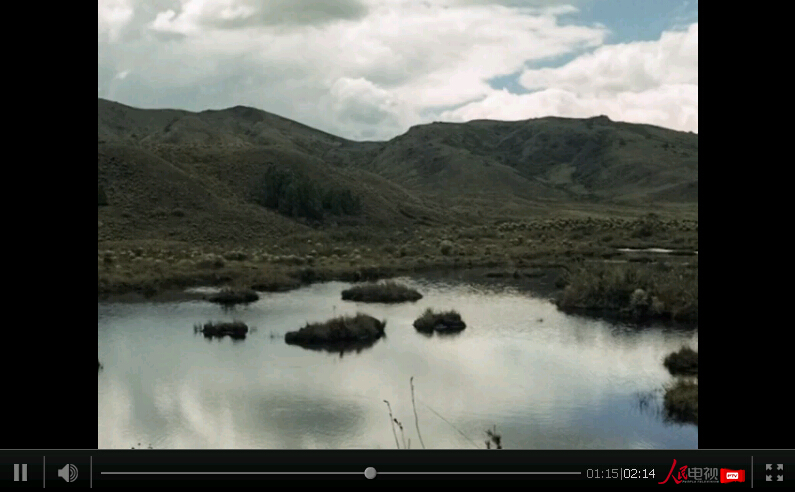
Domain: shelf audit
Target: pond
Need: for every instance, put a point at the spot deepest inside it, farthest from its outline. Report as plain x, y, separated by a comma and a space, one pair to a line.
658, 250
545, 379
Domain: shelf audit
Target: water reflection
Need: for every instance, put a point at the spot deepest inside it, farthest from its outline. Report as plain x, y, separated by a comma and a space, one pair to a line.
342, 348
565, 383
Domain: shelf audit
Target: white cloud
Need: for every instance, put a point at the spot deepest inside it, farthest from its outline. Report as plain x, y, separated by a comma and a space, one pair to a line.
672, 106
652, 82
631, 67
365, 111
112, 17
372, 68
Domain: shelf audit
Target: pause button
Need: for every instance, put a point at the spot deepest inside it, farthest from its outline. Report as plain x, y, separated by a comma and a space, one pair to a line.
24, 472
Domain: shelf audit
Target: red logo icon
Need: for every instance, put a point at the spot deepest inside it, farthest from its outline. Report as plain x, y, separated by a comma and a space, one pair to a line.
680, 476
727, 476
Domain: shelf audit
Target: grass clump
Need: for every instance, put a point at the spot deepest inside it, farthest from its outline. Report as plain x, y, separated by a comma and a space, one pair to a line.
211, 262
236, 256
234, 329
234, 296
276, 283
633, 291
386, 292
439, 321
340, 329
682, 363
681, 401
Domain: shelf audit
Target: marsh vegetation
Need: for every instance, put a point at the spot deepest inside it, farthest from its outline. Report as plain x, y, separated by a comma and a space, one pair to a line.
441, 321
681, 400
384, 292
341, 329
684, 362
232, 329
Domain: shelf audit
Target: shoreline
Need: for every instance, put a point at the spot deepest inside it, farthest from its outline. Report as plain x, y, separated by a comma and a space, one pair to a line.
540, 279
579, 262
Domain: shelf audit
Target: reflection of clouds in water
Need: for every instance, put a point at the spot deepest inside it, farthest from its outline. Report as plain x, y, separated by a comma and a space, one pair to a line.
115, 417
544, 384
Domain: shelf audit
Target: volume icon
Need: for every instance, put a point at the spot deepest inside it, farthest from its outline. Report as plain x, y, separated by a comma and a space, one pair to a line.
68, 473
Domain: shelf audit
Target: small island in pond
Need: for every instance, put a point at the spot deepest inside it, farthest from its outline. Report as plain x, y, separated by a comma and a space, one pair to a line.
384, 292
234, 329
441, 322
340, 330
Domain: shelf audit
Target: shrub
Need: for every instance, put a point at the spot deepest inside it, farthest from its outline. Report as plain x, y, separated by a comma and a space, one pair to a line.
441, 321
386, 292
211, 261
341, 329
236, 256
234, 329
684, 362
634, 290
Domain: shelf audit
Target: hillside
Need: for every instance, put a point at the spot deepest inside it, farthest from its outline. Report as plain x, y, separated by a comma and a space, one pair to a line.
172, 174
547, 158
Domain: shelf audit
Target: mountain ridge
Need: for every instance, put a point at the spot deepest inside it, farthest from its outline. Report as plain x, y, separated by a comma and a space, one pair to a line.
440, 172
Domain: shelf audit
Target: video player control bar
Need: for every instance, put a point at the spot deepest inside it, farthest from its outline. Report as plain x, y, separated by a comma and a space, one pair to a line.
243, 468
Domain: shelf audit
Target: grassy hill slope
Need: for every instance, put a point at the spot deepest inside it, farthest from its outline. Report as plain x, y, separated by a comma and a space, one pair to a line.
196, 177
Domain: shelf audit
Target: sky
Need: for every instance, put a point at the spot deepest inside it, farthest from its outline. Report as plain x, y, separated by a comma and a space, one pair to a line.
371, 69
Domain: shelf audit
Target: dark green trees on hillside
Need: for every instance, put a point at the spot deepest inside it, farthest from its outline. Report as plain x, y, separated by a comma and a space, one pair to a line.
341, 202
296, 195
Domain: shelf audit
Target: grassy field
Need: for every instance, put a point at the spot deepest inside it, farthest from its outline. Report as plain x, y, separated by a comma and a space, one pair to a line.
248, 200
594, 273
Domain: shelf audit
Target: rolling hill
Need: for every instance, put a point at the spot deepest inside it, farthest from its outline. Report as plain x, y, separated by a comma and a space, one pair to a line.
172, 174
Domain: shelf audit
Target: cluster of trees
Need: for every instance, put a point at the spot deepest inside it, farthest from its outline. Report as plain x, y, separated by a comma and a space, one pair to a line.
296, 195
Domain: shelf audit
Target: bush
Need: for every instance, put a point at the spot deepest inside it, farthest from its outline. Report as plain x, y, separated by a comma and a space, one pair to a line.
439, 321
234, 296
386, 292
236, 256
341, 329
684, 362
636, 291
211, 261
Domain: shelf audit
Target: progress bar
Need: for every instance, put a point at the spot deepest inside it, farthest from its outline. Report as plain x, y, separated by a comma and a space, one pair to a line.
367, 472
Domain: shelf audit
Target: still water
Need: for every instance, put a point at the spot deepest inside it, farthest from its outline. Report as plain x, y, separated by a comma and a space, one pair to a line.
545, 379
